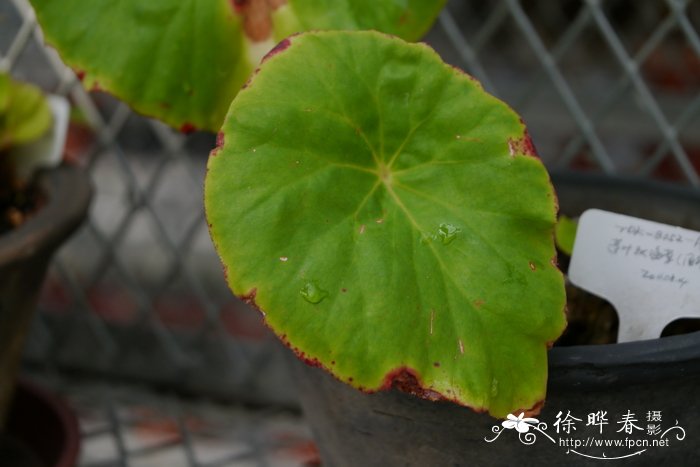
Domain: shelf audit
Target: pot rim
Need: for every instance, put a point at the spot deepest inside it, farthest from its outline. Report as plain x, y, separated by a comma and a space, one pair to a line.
654, 355
65, 418
68, 193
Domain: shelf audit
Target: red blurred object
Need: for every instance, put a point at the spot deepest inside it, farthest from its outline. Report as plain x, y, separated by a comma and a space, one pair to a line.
242, 322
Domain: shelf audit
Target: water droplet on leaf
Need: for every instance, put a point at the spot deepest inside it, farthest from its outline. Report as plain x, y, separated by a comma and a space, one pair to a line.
447, 233
312, 293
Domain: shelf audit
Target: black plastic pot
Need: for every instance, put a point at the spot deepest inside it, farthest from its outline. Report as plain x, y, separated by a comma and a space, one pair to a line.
661, 375
24, 257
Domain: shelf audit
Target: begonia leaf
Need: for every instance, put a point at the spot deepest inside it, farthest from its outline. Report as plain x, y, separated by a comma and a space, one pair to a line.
391, 220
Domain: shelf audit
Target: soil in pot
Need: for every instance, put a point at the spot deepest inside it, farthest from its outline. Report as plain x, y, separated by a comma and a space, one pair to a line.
593, 320
19, 199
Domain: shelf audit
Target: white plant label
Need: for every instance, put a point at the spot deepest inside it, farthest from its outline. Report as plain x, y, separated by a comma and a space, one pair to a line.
650, 272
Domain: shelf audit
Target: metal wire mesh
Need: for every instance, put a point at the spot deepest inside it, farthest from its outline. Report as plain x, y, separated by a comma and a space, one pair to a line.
611, 85
138, 295
127, 425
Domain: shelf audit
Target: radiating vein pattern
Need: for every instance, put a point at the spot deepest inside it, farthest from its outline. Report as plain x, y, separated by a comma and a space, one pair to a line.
415, 221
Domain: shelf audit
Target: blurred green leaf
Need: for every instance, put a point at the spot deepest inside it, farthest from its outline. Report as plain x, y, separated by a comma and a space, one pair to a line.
565, 234
183, 61
24, 113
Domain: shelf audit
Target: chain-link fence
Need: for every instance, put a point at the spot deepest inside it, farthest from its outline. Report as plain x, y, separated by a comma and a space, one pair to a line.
139, 295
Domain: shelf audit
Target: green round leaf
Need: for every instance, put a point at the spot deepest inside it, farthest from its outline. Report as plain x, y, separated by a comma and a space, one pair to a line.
179, 60
565, 234
408, 19
391, 221
183, 61
24, 113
